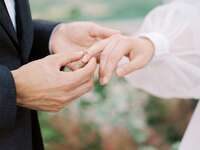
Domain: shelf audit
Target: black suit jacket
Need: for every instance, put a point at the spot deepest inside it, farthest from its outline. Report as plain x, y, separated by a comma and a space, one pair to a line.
19, 127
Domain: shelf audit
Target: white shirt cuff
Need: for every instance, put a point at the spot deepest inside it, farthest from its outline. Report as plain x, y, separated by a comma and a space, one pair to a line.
160, 42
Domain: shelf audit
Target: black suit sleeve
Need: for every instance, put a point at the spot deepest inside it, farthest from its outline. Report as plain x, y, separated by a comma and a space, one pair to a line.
42, 34
8, 106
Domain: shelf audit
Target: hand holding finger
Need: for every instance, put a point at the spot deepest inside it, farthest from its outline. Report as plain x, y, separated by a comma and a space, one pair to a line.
113, 55
75, 65
65, 58
94, 50
80, 76
121, 49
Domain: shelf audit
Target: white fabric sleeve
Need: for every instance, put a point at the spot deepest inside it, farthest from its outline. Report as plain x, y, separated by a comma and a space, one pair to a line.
160, 42
174, 72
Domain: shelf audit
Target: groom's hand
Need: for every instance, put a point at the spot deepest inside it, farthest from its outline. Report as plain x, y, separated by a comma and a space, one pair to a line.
41, 85
77, 36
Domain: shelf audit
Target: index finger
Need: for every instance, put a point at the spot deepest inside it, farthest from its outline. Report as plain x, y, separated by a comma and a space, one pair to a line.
94, 50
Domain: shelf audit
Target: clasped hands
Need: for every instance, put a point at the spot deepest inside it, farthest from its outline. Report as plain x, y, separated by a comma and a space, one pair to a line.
42, 85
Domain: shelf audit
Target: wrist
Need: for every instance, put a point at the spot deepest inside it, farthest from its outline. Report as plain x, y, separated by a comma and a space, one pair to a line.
52, 39
16, 77
160, 42
142, 44
148, 45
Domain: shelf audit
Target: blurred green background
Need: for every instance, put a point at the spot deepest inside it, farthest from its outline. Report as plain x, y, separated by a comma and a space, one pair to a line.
92, 9
115, 117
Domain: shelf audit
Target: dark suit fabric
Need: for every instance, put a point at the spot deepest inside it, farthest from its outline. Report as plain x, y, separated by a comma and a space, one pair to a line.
19, 127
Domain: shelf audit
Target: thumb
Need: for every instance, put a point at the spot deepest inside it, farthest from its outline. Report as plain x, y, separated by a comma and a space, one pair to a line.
103, 32
65, 58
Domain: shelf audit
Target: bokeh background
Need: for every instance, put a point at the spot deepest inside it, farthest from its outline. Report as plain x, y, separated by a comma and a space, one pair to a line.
118, 116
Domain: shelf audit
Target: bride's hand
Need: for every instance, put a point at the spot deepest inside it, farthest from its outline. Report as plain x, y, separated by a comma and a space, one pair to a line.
139, 51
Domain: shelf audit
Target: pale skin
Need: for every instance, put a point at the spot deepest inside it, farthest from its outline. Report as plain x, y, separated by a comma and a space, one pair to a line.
111, 50
78, 36
41, 85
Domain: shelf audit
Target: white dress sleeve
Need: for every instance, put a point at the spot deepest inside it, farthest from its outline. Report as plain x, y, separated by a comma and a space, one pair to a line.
174, 29
174, 72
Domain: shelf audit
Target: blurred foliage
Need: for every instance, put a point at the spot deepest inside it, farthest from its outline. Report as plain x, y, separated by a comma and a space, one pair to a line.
166, 117
92, 9
115, 117
49, 133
